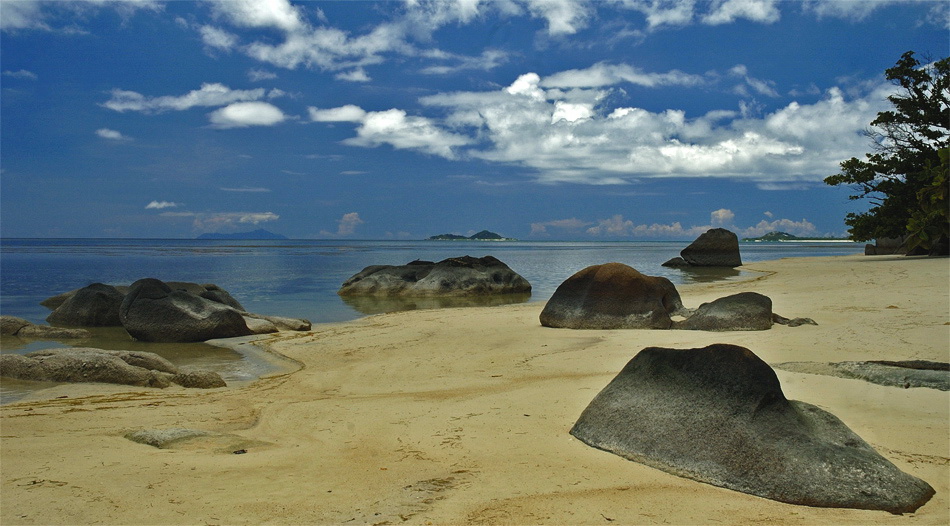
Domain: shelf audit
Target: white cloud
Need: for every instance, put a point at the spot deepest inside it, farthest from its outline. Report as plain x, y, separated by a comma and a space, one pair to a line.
722, 217
393, 127
244, 114
604, 74
277, 14
348, 223
20, 74
159, 205
728, 11
257, 75
218, 38
355, 75
618, 226
564, 17
224, 221
348, 113
488, 60
210, 94
112, 135
41, 15
528, 126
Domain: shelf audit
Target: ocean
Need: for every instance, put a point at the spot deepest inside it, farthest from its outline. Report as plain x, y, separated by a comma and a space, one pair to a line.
299, 278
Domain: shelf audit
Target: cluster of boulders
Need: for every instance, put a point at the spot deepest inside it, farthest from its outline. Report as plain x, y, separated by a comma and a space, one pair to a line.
458, 276
718, 415
84, 364
617, 296
13, 326
155, 311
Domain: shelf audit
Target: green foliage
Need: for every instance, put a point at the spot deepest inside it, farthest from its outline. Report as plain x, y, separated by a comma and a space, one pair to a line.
905, 178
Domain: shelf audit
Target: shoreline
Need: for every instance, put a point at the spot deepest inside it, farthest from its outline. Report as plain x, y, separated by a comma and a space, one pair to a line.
461, 416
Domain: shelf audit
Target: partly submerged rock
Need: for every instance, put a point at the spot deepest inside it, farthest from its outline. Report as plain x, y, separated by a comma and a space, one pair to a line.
718, 415
153, 311
746, 311
13, 326
85, 364
459, 276
96, 305
612, 296
717, 247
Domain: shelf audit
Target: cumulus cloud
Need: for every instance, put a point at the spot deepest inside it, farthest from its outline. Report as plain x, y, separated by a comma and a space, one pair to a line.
393, 127
159, 205
722, 217
112, 135
728, 11
225, 221
244, 114
619, 227
210, 94
346, 226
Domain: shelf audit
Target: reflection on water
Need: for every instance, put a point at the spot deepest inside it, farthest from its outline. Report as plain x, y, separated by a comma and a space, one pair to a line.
381, 304
709, 274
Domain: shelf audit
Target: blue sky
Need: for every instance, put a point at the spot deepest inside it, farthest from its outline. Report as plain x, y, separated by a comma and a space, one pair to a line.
554, 119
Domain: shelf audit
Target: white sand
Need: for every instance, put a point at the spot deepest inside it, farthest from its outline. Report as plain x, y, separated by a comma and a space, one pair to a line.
462, 416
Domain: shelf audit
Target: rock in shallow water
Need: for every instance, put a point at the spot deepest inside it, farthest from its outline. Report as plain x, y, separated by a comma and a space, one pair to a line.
461, 276
718, 415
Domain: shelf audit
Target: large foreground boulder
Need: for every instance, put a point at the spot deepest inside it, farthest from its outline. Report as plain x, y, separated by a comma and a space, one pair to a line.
718, 415
13, 326
613, 296
716, 247
84, 364
152, 311
96, 305
459, 276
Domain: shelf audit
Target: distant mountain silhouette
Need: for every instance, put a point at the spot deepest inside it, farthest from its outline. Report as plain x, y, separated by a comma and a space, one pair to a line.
257, 234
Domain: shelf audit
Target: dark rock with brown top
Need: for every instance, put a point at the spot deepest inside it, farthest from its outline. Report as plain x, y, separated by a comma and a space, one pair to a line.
96, 305
718, 415
613, 296
460, 276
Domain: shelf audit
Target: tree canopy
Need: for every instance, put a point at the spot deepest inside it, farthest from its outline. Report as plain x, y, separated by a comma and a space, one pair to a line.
905, 176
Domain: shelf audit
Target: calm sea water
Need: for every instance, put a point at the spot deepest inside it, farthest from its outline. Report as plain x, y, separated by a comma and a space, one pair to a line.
299, 278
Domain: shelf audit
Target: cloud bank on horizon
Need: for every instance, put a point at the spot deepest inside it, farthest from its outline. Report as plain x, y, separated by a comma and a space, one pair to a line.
531, 117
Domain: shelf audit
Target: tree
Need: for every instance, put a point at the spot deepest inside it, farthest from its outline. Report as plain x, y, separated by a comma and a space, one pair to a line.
905, 177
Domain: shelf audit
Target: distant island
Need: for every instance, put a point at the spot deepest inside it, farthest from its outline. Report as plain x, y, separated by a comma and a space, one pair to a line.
257, 234
484, 235
785, 236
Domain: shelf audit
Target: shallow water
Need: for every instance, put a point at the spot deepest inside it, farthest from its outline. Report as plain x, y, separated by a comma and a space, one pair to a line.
299, 278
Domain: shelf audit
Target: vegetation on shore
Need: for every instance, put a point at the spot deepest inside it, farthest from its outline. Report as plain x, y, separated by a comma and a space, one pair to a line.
906, 176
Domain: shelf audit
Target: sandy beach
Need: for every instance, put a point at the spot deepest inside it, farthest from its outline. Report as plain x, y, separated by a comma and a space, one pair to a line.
459, 416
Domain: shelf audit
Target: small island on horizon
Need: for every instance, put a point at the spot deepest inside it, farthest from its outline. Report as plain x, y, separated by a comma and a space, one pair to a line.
786, 237
484, 235
256, 234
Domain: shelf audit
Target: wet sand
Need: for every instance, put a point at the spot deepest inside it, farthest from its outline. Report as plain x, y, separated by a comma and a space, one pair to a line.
462, 416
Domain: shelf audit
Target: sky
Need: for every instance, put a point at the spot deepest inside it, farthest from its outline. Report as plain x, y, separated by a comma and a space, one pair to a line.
535, 119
